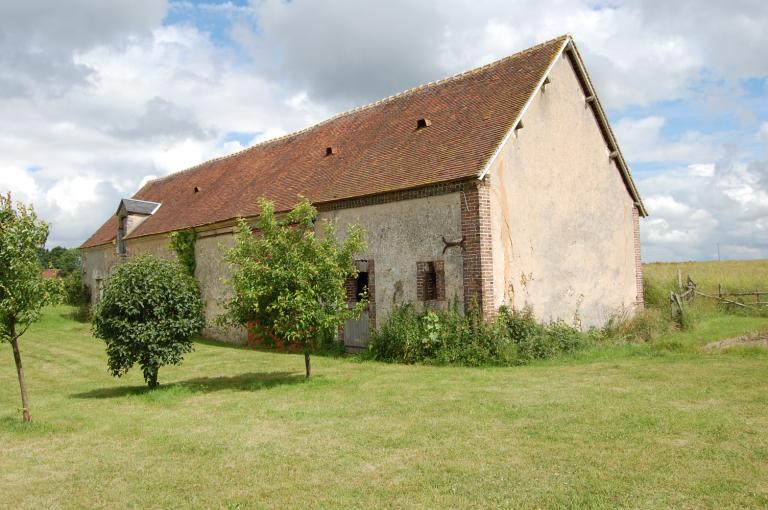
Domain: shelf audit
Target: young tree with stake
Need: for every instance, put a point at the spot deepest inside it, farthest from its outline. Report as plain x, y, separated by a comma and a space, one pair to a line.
23, 292
289, 283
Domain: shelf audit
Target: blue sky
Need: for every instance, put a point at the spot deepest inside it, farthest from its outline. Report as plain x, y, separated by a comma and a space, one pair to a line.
101, 97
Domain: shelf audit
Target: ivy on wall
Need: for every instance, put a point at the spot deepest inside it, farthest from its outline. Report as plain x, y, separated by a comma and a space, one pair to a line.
183, 243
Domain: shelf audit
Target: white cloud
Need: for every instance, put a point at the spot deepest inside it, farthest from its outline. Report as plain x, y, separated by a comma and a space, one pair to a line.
642, 140
38, 39
69, 194
153, 105
19, 182
98, 98
637, 52
695, 208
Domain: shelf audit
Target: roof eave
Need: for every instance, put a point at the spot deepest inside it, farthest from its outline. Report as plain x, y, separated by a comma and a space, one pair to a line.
602, 118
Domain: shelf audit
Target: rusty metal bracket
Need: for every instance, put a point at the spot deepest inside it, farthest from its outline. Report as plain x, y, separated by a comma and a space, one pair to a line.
449, 244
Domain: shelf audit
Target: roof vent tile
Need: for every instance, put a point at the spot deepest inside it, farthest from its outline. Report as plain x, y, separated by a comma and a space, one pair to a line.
423, 123
331, 151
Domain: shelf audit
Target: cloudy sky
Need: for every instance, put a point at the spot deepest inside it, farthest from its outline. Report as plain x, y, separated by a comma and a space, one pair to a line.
97, 97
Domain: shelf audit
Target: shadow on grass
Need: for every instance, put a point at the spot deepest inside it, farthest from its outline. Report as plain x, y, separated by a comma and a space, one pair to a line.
243, 382
329, 352
218, 343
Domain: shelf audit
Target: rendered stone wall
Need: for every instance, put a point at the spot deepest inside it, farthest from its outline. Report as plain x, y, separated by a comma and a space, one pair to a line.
401, 234
562, 218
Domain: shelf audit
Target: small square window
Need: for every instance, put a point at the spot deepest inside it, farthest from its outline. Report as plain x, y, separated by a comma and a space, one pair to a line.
430, 281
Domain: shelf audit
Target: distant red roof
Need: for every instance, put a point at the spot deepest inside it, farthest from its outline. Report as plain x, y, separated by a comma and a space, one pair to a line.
373, 149
50, 273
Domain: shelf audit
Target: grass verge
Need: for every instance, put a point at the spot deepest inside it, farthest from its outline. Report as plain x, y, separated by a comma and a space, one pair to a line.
641, 425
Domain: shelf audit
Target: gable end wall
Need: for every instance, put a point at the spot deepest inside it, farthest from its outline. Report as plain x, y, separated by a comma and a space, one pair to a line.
564, 227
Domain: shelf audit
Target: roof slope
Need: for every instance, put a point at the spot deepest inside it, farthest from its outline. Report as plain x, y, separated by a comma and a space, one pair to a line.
378, 148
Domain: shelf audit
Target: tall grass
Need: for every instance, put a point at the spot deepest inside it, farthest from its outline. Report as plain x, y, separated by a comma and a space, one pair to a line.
734, 275
661, 278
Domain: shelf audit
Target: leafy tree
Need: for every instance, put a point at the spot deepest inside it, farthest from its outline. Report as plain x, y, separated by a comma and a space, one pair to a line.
77, 294
67, 260
289, 283
23, 292
148, 313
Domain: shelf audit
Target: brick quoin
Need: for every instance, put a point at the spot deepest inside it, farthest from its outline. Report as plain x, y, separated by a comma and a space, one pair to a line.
478, 262
639, 300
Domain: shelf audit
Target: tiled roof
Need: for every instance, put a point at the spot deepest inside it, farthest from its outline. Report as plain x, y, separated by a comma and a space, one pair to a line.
378, 149
50, 273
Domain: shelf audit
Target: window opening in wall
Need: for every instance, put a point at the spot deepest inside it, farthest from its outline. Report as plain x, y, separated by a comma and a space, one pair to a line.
121, 235
430, 282
99, 289
361, 285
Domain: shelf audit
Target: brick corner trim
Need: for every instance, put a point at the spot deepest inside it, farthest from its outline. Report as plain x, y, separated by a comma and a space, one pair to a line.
639, 299
478, 251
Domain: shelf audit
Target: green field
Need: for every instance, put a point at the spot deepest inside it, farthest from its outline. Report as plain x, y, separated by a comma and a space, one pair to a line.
734, 275
639, 425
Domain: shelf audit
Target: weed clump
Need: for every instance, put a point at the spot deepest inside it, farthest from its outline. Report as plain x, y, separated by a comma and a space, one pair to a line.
448, 337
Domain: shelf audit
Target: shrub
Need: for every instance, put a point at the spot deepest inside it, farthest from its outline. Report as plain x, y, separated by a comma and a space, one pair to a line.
468, 340
448, 337
149, 310
646, 325
78, 295
533, 340
398, 340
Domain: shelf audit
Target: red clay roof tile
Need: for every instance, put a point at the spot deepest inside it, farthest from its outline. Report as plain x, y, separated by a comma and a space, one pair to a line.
378, 149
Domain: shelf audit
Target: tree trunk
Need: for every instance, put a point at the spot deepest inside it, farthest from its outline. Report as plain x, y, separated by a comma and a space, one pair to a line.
151, 377
306, 364
20, 371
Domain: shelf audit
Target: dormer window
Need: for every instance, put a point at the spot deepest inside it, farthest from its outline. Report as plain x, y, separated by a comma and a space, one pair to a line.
130, 214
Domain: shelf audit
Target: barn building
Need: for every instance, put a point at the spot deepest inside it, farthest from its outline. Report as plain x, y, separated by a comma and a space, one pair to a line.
501, 185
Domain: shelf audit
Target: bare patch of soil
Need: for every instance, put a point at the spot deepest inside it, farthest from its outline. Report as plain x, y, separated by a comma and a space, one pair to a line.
751, 340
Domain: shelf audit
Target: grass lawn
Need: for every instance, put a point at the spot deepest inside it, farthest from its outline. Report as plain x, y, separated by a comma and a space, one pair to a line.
640, 426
